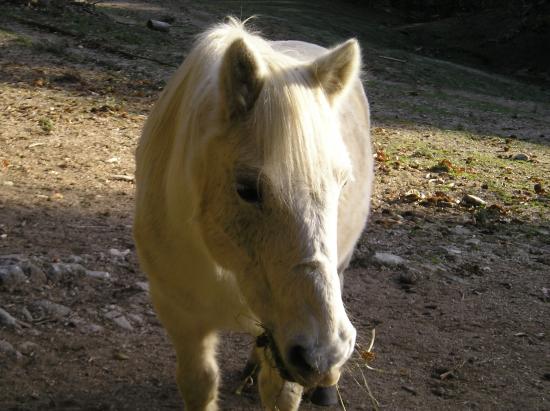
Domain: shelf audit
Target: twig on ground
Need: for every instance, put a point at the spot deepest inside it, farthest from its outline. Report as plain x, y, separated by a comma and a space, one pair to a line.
393, 59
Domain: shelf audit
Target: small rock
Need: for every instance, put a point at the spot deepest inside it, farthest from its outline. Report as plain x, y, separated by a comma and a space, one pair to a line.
34, 273
7, 259
460, 230
412, 196
6, 348
7, 319
75, 259
408, 278
90, 328
112, 314
28, 347
158, 25
103, 275
119, 319
474, 242
11, 276
520, 157
27, 314
388, 259
52, 309
117, 253
61, 271
136, 318
451, 250
472, 200
143, 285
456, 279
123, 323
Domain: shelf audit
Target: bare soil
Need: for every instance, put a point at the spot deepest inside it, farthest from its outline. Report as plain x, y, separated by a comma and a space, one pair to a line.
461, 322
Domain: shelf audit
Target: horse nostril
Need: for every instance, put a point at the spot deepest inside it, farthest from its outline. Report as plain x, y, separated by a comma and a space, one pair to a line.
297, 358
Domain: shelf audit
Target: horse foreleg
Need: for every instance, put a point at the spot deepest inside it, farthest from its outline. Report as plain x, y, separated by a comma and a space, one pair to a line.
197, 372
276, 393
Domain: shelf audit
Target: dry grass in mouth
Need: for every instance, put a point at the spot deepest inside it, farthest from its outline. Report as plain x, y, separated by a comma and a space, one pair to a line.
362, 359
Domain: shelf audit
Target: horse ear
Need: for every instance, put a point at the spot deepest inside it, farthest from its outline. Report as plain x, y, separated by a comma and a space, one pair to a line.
336, 69
241, 79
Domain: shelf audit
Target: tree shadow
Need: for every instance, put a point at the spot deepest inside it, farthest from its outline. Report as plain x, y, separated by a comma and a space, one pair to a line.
403, 87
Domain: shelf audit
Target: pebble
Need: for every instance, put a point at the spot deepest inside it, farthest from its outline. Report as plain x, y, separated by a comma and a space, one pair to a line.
451, 250
28, 347
91, 328
7, 319
408, 278
53, 309
474, 242
60, 271
456, 279
75, 259
6, 347
472, 200
136, 318
143, 285
460, 230
7, 350
123, 323
11, 276
85, 327
520, 157
33, 272
119, 319
112, 314
117, 253
388, 259
27, 314
103, 275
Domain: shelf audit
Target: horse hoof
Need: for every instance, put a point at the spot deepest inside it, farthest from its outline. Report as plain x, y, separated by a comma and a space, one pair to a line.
325, 396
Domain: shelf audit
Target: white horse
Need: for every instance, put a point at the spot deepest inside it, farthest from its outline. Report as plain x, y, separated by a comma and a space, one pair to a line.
254, 176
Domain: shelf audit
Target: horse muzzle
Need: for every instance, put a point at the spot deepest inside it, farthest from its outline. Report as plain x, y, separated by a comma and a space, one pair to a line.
317, 364
310, 365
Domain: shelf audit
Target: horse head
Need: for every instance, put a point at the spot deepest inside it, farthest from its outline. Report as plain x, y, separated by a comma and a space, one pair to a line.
269, 182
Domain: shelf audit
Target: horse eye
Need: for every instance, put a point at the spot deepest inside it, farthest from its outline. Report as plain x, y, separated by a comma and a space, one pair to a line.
249, 191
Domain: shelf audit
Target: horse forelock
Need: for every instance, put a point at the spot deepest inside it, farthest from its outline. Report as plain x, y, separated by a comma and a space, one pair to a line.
292, 128
297, 133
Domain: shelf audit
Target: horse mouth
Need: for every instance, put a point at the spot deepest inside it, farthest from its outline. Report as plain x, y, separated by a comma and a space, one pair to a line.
309, 379
267, 342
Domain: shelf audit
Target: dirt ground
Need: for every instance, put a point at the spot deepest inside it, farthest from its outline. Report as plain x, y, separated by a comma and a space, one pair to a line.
461, 306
